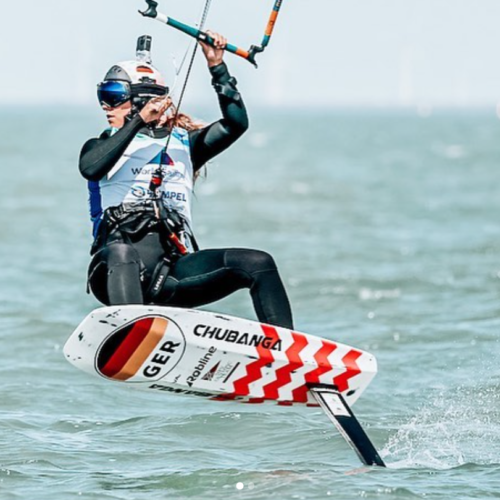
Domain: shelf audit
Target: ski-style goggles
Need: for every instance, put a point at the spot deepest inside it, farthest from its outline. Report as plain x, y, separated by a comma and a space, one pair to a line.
113, 93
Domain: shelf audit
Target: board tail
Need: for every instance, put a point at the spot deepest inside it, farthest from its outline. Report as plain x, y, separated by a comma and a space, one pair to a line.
339, 412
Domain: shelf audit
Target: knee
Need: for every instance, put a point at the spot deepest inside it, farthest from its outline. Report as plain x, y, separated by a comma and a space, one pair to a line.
255, 261
262, 261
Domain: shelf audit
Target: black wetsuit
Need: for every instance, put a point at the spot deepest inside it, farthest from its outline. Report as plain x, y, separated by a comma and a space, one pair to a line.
121, 272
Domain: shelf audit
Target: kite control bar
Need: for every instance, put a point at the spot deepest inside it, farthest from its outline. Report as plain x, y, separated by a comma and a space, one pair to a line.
202, 36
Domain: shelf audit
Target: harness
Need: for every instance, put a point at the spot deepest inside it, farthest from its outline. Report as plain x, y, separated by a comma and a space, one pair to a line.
130, 223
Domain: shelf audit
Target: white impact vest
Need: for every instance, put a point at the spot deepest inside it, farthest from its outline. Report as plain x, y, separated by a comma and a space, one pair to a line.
128, 181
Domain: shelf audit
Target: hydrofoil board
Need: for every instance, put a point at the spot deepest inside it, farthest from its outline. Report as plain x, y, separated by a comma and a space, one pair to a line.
215, 356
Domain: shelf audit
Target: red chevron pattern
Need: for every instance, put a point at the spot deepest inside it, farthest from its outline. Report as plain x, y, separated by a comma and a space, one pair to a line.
349, 360
283, 374
254, 370
324, 366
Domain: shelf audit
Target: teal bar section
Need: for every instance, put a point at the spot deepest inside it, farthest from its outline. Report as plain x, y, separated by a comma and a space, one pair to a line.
189, 30
231, 48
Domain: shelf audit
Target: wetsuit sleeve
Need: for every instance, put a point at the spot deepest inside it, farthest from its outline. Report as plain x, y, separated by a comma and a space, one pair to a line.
208, 142
99, 156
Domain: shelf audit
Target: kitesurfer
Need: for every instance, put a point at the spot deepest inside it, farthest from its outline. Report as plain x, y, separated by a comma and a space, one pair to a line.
141, 173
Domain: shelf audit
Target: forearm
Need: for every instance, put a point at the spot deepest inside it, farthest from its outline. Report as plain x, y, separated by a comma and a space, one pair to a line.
212, 140
234, 114
99, 156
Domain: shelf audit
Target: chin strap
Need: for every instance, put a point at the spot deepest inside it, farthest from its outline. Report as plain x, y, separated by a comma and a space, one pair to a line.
199, 34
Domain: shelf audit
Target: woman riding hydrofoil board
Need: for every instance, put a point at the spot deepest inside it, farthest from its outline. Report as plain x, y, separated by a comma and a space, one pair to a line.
141, 174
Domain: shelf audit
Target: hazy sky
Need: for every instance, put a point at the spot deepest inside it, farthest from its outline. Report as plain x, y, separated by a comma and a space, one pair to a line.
324, 52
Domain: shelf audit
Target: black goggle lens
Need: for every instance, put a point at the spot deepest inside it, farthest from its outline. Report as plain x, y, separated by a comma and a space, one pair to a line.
113, 93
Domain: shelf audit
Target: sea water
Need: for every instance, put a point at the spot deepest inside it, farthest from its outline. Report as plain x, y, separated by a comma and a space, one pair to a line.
385, 227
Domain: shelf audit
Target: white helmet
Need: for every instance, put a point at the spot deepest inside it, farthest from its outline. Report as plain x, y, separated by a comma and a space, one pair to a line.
138, 81
136, 72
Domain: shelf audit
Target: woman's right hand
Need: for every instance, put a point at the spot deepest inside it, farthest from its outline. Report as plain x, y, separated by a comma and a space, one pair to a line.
154, 109
214, 54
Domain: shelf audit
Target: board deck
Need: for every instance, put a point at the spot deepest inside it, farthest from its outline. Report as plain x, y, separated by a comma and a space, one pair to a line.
214, 356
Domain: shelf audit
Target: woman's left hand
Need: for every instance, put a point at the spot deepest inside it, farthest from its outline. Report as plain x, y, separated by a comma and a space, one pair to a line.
214, 55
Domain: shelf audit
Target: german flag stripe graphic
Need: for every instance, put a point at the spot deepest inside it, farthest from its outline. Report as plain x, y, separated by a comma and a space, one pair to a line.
135, 349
